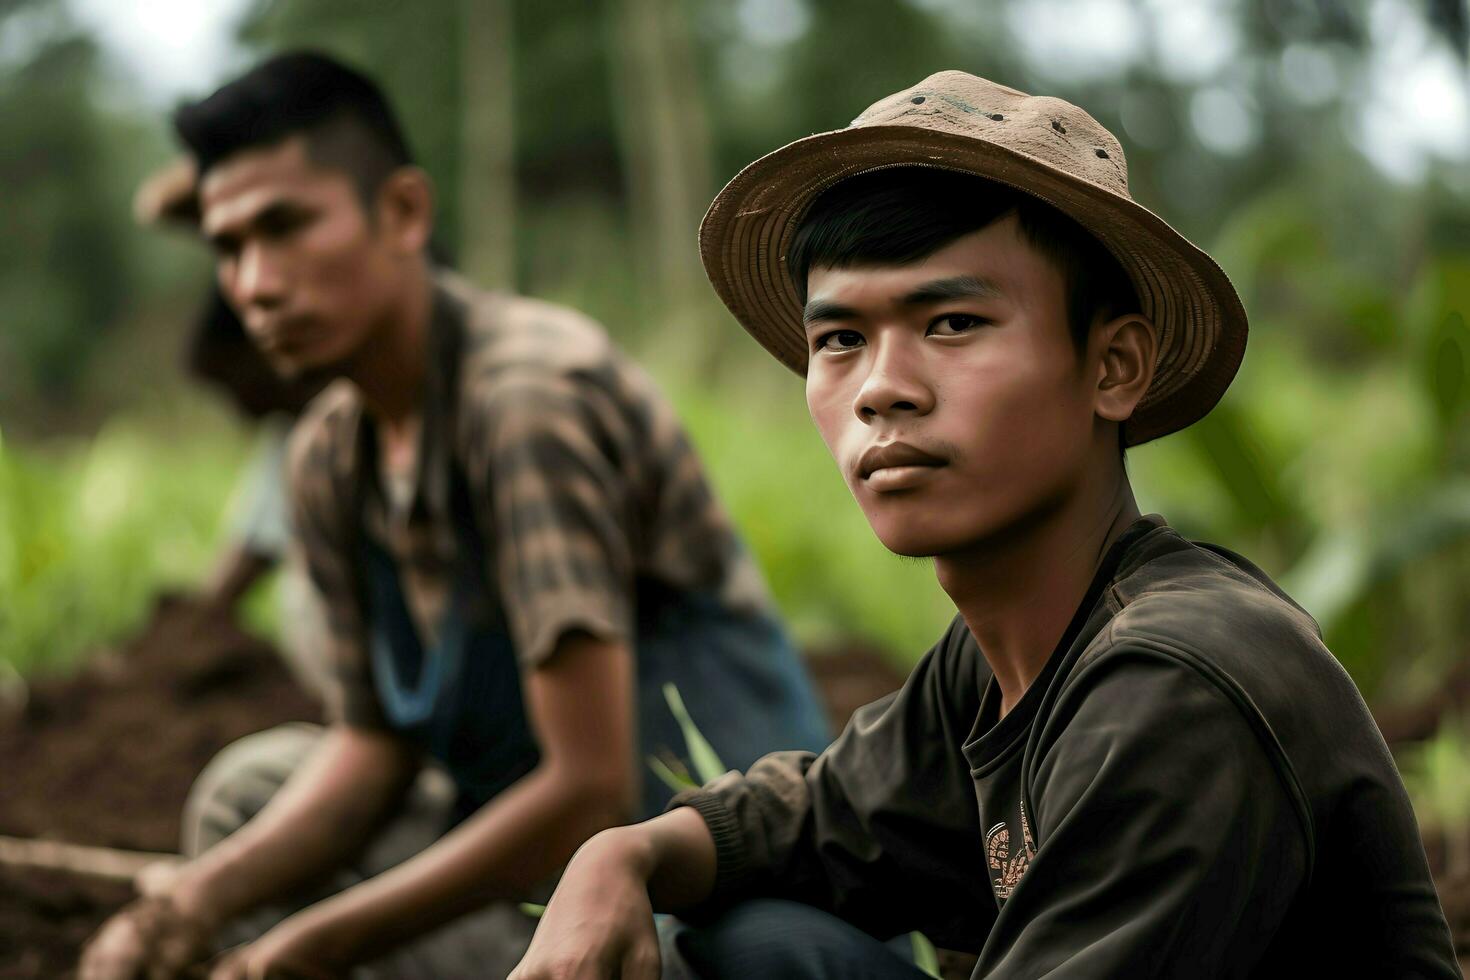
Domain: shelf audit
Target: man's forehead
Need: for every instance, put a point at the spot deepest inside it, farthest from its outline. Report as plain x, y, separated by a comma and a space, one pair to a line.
992, 259
246, 182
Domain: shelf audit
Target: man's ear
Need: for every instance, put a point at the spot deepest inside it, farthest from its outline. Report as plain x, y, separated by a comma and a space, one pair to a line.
1127, 347
405, 205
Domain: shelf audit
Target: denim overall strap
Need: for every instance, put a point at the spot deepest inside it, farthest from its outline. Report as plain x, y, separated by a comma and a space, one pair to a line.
459, 700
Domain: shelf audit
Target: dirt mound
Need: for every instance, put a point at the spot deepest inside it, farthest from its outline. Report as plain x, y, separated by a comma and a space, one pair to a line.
849, 675
107, 755
1416, 721
45, 917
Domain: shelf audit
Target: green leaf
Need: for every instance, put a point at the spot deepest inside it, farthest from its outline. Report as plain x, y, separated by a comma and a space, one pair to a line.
926, 957
702, 756
669, 777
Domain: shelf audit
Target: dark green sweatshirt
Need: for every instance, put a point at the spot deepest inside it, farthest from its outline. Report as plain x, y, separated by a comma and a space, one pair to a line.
1193, 787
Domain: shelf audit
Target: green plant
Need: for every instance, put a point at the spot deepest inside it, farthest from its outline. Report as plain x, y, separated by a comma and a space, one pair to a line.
91, 531
1437, 774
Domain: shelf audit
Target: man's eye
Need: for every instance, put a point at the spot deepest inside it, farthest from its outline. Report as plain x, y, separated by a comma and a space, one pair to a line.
281, 225
956, 323
839, 340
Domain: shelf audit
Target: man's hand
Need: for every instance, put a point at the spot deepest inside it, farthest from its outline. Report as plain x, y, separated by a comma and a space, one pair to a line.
300, 948
599, 925
149, 938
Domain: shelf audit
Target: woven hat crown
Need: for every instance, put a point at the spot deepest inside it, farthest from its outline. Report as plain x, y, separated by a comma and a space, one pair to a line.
1050, 130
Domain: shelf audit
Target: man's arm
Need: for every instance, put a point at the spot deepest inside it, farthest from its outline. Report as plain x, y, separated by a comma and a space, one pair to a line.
580, 705
325, 812
600, 921
881, 829
237, 569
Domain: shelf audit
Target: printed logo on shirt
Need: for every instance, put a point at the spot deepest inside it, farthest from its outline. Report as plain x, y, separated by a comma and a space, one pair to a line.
1006, 869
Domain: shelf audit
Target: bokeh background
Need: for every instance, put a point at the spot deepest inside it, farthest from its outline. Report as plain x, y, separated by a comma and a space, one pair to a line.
1320, 149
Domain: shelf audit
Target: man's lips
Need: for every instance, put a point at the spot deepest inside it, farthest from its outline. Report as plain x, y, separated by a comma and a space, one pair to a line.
893, 455
282, 334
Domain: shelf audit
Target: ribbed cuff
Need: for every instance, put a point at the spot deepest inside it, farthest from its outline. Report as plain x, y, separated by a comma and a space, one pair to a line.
732, 864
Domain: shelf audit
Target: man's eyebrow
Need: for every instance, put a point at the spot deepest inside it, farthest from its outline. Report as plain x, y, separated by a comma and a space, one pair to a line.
955, 287
274, 211
822, 311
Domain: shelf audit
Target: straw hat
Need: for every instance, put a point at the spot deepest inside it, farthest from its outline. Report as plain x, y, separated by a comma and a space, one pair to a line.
1043, 146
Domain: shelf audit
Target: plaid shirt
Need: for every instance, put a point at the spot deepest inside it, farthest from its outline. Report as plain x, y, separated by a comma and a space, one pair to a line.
580, 479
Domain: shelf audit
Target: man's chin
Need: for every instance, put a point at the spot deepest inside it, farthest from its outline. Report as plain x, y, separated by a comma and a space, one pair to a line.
911, 543
302, 368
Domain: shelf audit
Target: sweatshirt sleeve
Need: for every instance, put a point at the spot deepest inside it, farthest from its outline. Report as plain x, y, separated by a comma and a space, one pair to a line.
881, 829
1168, 842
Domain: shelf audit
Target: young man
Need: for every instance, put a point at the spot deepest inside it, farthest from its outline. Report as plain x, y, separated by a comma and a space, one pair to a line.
1130, 755
516, 549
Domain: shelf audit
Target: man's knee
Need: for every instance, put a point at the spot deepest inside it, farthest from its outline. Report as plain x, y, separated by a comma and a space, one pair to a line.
782, 940
239, 781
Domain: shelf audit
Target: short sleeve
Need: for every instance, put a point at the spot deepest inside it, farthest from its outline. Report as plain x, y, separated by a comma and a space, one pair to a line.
321, 543
546, 468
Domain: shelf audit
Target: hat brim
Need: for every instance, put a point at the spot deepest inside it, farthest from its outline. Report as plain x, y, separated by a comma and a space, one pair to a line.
1200, 320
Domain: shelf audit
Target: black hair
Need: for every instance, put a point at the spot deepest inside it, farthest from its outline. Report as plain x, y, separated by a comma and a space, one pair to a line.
899, 215
344, 115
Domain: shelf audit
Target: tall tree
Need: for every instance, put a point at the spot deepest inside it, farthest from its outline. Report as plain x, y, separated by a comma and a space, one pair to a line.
64, 261
487, 172
664, 134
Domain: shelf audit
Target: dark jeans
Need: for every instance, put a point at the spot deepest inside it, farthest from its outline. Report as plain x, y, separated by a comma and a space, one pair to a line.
779, 940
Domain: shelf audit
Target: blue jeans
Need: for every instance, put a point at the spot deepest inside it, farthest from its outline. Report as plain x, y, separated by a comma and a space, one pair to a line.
781, 940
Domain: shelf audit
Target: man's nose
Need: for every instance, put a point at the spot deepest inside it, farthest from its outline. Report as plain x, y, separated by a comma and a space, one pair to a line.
259, 278
895, 384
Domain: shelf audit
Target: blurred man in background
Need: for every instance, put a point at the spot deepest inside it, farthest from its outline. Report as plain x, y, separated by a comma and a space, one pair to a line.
516, 550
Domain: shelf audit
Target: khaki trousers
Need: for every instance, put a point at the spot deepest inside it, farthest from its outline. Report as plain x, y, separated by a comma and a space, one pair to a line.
237, 784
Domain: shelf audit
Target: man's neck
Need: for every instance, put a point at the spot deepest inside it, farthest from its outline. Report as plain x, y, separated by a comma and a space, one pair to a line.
1018, 591
391, 367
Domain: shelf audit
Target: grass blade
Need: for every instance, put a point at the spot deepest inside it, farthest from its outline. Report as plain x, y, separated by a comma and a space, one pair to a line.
702, 756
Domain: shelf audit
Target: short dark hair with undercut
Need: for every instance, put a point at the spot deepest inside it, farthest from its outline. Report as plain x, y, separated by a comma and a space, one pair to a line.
344, 116
899, 215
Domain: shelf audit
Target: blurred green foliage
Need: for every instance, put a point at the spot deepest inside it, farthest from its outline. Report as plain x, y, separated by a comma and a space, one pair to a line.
1437, 775
91, 530
1340, 460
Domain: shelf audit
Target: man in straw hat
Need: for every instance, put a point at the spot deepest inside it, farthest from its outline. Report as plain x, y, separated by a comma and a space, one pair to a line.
1129, 754
516, 550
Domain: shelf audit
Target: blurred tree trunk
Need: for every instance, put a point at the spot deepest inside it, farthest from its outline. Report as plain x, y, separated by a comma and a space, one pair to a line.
487, 185
664, 135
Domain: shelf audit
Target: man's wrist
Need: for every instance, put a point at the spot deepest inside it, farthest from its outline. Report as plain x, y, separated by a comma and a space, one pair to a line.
681, 860
632, 848
195, 894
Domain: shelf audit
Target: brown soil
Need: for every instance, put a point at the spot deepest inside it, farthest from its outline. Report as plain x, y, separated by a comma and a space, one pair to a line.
1419, 720
107, 755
